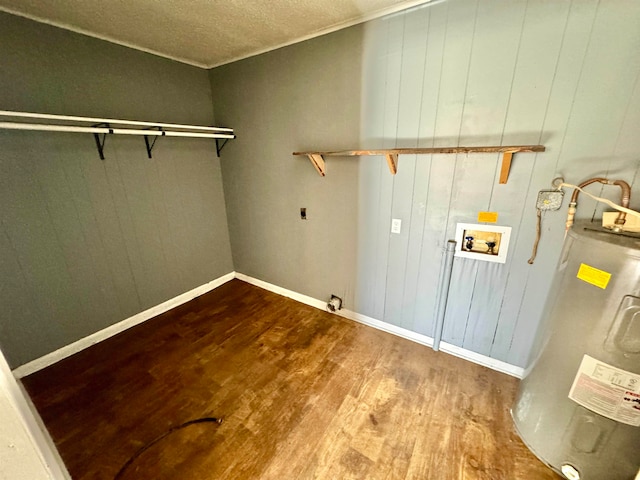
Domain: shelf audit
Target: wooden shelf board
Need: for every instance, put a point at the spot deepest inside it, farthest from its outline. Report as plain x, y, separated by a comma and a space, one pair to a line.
428, 151
391, 154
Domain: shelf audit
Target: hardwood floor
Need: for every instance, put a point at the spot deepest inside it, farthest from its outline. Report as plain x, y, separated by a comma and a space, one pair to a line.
303, 394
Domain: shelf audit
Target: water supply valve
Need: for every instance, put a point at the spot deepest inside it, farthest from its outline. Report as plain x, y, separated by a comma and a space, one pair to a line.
468, 243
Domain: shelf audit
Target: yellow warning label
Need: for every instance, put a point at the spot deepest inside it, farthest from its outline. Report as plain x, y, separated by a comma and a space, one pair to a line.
592, 275
488, 217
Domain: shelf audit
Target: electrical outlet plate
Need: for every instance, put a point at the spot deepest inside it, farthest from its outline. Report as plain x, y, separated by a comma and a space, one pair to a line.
334, 304
549, 199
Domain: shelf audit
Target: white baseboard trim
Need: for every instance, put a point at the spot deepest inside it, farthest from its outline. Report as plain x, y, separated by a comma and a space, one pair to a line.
282, 291
75, 347
480, 359
454, 350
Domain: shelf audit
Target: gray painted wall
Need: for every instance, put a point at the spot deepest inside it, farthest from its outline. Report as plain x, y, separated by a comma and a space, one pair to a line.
462, 72
85, 243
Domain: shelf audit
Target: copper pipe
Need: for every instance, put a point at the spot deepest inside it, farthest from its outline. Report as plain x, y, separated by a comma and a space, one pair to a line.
624, 201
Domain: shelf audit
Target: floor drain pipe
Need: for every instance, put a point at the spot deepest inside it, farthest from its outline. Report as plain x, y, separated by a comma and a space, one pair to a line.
443, 292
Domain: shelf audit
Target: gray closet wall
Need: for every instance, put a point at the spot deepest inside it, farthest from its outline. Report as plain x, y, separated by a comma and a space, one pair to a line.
460, 72
86, 243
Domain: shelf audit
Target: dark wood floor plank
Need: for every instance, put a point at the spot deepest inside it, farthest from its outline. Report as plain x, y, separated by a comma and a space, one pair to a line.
304, 395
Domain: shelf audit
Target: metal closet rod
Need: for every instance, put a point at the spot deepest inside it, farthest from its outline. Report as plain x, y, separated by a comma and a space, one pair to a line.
123, 131
220, 132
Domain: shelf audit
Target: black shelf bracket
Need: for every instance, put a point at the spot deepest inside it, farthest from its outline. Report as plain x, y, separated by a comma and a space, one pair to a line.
149, 144
101, 138
220, 145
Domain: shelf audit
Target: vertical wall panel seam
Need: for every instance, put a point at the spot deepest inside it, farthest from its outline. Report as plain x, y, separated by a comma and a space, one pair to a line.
524, 206
553, 79
464, 102
13, 247
444, 43
533, 166
419, 128
80, 223
424, 71
515, 241
135, 230
435, 122
165, 212
584, 57
15, 256
504, 297
104, 249
72, 278
395, 143
156, 220
124, 242
468, 74
635, 176
149, 181
562, 42
182, 205
382, 173
506, 112
466, 323
380, 182
75, 209
455, 168
624, 119
404, 30
406, 256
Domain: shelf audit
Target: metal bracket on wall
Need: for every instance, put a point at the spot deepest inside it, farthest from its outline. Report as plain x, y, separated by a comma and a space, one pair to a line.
220, 146
150, 145
101, 127
100, 142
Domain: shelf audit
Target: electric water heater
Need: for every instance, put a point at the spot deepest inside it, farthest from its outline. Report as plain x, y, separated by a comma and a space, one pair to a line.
578, 406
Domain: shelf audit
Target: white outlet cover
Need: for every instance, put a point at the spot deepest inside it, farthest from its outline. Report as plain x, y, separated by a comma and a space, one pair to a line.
396, 225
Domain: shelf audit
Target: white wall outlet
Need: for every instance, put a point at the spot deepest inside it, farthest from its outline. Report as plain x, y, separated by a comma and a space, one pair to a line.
396, 225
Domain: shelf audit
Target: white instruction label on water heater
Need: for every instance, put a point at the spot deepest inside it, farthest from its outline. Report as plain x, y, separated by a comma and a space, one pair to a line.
608, 391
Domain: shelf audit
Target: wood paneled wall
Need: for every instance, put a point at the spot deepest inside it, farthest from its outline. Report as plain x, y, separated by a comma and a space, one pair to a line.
459, 72
86, 243
462, 72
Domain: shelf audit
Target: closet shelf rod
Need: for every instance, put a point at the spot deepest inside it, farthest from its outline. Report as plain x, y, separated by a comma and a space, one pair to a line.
68, 118
121, 131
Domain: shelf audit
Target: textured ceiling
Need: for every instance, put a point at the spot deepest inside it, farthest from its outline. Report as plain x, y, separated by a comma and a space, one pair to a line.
204, 33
